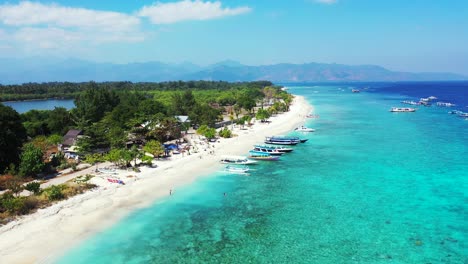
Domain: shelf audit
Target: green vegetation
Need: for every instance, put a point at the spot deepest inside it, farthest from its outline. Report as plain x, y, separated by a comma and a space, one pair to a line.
31, 161
154, 148
225, 133
12, 136
33, 187
113, 116
12, 205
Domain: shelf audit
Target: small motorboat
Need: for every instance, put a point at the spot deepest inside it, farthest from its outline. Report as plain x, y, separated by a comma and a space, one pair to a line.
402, 109
239, 160
262, 156
444, 104
271, 151
304, 129
280, 149
234, 169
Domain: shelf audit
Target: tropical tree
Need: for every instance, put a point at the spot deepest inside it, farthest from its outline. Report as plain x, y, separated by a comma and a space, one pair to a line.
54, 139
59, 120
12, 136
262, 114
154, 147
31, 161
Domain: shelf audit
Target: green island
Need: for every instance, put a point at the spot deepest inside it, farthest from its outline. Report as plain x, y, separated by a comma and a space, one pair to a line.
118, 122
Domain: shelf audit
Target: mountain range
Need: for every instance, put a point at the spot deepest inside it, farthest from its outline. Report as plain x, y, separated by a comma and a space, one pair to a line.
15, 71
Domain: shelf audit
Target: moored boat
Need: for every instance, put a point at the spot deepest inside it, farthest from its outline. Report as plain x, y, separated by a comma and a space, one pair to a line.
268, 150
274, 141
262, 156
355, 91
240, 160
235, 169
280, 149
284, 140
402, 109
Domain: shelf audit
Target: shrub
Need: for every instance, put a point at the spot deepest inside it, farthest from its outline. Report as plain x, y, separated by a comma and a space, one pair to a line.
54, 192
225, 133
33, 187
12, 204
29, 203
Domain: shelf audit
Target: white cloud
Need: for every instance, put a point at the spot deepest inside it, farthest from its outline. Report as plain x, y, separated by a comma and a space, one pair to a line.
28, 26
29, 14
326, 1
167, 13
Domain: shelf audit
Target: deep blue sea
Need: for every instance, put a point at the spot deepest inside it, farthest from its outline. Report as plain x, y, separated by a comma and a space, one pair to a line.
369, 186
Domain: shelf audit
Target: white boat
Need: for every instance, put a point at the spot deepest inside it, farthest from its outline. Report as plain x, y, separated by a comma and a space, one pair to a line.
432, 97
402, 109
240, 160
280, 149
410, 102
445, 104
271, 151
304, 129
355, 91
234, 169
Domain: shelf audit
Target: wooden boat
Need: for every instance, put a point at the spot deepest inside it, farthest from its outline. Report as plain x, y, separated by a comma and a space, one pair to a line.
262, 156
284, 140
280, 149
267, 150
237, 160
234, 169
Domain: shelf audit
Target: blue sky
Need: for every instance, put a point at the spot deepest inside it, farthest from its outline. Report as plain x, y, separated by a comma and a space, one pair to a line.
403, 35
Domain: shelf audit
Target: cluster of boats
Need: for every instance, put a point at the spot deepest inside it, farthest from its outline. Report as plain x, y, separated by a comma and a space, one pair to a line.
459, 113
239, 164
427, 102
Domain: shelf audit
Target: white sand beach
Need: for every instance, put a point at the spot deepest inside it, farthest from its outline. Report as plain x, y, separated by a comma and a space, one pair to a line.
43, 236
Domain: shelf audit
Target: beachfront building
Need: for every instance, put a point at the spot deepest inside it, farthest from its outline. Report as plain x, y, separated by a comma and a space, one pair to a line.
70, 139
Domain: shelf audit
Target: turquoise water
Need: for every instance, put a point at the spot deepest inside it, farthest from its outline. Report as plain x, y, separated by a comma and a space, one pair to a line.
49, 104
369, 186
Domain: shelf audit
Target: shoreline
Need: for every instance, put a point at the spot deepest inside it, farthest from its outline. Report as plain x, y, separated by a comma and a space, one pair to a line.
49, 233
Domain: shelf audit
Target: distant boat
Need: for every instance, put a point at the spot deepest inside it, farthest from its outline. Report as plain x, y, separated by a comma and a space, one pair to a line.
262, 156
239, 160
234, 169
443, 104
270, 151
402, 109
280, 149
432, 98
425, 103
304, 129
410, 102
355, 91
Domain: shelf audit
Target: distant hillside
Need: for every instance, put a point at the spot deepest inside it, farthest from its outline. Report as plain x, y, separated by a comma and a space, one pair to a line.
73, 70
